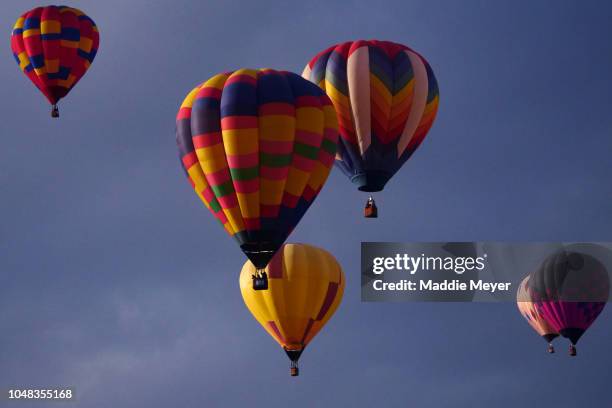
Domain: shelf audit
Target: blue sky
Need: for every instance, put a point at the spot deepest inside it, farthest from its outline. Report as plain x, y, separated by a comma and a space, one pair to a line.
116, 280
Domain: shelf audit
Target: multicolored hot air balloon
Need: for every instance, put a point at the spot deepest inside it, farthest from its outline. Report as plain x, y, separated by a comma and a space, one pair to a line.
54, 46
386, 97
570, 290
257, 146
531, 313
306, 288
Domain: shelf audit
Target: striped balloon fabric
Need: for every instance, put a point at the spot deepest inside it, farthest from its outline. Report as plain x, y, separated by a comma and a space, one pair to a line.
257, 146
386, 98
54, 46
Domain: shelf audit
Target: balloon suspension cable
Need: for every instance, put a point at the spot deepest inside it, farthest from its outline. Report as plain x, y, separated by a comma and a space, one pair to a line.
551, 348
54, 111
294, 370
260, 279
572, 350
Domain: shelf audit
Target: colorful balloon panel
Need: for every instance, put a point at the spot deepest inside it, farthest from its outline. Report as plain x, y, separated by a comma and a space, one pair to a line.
386, 97
257, 146
306, 285
54, 46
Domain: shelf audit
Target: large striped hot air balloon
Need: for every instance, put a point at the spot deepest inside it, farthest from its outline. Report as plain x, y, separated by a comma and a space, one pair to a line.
386, 98
306, 288
257, 146
54, 46
532, 314
570, 290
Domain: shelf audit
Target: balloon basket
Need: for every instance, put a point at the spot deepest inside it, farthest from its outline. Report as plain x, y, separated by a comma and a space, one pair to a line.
294, 356
260, 282
55, 111
551, 349
572, 350
370, 210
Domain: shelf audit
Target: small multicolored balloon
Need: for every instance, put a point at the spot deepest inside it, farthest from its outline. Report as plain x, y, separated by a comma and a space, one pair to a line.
54, 46
570, 290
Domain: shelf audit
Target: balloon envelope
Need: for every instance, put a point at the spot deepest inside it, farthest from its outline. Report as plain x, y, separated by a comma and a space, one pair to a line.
386, 97
306, 285
54, 46
570, 290
257, 146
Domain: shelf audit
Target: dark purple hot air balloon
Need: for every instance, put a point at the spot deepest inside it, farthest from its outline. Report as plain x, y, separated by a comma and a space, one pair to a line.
570, 290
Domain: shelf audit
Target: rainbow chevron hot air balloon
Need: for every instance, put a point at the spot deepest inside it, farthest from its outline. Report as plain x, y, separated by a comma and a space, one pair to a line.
257, 146
54, 46
386, 97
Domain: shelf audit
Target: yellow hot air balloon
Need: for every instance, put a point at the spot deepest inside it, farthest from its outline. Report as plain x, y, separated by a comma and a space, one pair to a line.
306, 284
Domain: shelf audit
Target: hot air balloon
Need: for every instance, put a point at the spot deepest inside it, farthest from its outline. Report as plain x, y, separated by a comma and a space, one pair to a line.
570, 290
306, 287
54, 46
257, 146
386, 98
531, 313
